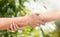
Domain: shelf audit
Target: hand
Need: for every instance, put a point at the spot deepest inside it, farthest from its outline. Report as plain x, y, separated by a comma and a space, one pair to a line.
14, 27
35, 20
32, 20
18, 24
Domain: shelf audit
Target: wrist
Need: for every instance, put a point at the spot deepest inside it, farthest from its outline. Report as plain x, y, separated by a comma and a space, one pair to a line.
11, 20
46, 17
29, 20
21, 21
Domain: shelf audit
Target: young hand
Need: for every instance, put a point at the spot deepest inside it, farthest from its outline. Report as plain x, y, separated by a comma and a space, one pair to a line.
19, 24
35, 20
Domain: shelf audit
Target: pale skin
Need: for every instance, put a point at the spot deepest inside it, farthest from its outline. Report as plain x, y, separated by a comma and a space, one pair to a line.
5, 23
33, 20
51, 15
12, 23
19, 23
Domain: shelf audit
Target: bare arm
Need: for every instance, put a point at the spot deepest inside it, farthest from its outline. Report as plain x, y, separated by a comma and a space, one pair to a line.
5, 23
51, 15
32, 20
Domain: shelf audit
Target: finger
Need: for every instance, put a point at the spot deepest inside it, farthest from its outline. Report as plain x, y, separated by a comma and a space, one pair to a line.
33, 25
42, 23
14, 26
36, 25
20, 28
17, 27
21, 24
11, 27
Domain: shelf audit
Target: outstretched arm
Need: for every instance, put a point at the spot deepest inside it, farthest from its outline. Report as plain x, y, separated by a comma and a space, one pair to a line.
50, 15
20, 22
6, 23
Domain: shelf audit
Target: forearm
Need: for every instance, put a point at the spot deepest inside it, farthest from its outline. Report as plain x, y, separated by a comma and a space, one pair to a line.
22, 21
5, 23
51, 15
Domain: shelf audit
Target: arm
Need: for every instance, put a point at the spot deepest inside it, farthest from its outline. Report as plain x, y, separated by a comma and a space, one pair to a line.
20, 22
51, 15
8, 22
5, 23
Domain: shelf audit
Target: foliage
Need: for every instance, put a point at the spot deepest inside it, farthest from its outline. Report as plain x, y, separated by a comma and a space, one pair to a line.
8, 9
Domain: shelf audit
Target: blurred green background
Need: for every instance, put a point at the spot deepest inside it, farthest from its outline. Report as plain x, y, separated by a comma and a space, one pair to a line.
15, 8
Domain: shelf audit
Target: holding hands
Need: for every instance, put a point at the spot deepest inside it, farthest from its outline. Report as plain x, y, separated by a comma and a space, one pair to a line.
35, 20
21, 22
